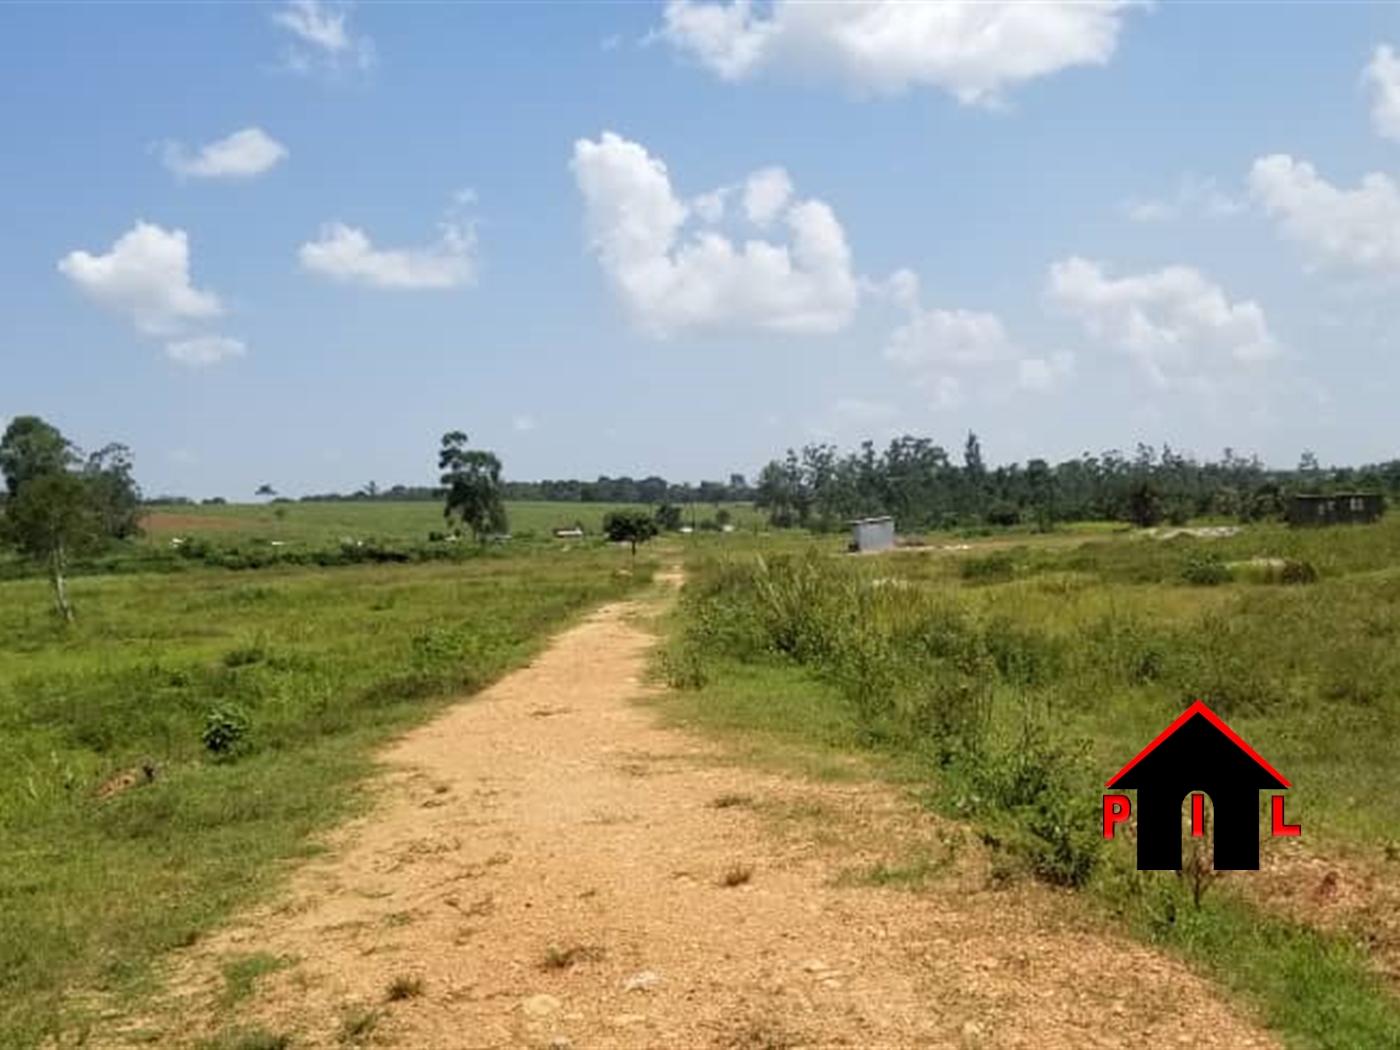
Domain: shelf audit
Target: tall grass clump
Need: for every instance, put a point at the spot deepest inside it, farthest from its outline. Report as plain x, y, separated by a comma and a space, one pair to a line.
924, 676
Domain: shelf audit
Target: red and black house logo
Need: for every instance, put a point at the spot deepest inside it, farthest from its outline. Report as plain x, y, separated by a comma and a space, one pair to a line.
1196, 753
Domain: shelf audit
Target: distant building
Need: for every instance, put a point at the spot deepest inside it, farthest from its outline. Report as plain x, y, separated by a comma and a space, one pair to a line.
872, 534
570, 532
1339, 508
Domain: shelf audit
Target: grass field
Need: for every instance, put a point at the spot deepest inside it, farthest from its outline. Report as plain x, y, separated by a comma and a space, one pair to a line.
1016, 676
298, 675
966, 668
318, 523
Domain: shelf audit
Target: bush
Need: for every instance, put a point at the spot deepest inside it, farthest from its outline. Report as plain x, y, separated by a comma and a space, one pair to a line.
226, 731
1205, 570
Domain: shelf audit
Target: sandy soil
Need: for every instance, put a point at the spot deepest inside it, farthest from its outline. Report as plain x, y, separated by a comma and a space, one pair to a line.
553, 865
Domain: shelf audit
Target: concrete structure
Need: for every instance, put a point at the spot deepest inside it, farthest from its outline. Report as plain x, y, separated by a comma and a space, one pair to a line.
1339, 508
570, 532
872, 534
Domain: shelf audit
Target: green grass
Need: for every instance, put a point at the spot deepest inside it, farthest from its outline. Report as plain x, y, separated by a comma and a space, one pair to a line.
319, 523
978, 682
322, 665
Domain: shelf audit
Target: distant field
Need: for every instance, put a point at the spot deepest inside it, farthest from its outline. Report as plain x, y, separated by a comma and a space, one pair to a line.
331, 522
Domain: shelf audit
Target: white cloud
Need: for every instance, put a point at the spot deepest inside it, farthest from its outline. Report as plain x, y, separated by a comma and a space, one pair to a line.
671, 281
1357, 229
346, 253
1193, 196
1382, 77
146, 276
242, 155
766, 194
524, 424
930, 337
974, 50
322, 38
204, 349
1171, 321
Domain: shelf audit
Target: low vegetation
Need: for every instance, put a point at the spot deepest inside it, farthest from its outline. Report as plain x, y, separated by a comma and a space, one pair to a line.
1013, 683
256, 703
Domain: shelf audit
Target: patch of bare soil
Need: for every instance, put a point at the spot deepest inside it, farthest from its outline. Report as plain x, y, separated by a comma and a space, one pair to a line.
559, 871
1348, 894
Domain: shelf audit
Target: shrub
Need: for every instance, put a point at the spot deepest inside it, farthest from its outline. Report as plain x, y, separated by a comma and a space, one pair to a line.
1298, 572
1206, 570
226, 731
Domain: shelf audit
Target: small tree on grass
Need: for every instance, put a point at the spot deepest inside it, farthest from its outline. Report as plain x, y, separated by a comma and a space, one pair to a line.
629, 526
471, 481
52, 518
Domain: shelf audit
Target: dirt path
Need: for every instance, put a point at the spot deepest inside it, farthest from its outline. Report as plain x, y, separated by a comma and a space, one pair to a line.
552, 865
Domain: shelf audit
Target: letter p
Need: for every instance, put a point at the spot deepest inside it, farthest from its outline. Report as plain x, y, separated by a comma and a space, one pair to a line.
1116, 809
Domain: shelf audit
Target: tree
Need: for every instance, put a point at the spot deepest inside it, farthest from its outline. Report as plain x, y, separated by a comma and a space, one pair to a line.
1145, 504
53, 517
668, 518
116, 497
471, 482
32, 448
629, 526
265, 490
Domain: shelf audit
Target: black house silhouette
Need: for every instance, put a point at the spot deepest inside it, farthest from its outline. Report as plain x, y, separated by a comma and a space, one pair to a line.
1198, 752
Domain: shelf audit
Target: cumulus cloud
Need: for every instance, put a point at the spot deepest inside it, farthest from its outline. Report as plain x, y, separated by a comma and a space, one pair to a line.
766, 194
346, 253
204, 349
1382, 78
938, 337
973, 50
146, 276
672, 280
322, 38
242, 155
1174, 322
1357, 229
1193, 196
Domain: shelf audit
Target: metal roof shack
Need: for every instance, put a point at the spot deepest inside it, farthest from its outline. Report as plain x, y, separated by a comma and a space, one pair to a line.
872, 534
1338, 508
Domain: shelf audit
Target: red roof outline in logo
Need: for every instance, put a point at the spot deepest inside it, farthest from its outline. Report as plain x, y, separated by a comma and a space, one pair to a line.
1199, 708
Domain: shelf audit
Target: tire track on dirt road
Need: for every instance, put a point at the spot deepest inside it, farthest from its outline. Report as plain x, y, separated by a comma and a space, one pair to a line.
551, 862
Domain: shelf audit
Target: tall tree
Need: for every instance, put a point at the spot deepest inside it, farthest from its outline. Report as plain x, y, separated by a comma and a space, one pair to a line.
114, 492
471, 482
32, 448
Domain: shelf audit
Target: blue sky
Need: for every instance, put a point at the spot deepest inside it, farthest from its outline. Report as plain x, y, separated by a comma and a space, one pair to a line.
295, 243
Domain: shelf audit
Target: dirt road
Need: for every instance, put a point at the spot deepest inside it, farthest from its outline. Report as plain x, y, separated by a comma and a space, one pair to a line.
558, 870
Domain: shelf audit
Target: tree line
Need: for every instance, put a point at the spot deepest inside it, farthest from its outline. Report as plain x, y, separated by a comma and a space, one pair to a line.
923, 486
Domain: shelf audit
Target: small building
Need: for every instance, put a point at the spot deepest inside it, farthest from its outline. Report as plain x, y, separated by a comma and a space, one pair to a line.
569, 532
872, 534
1338, 508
